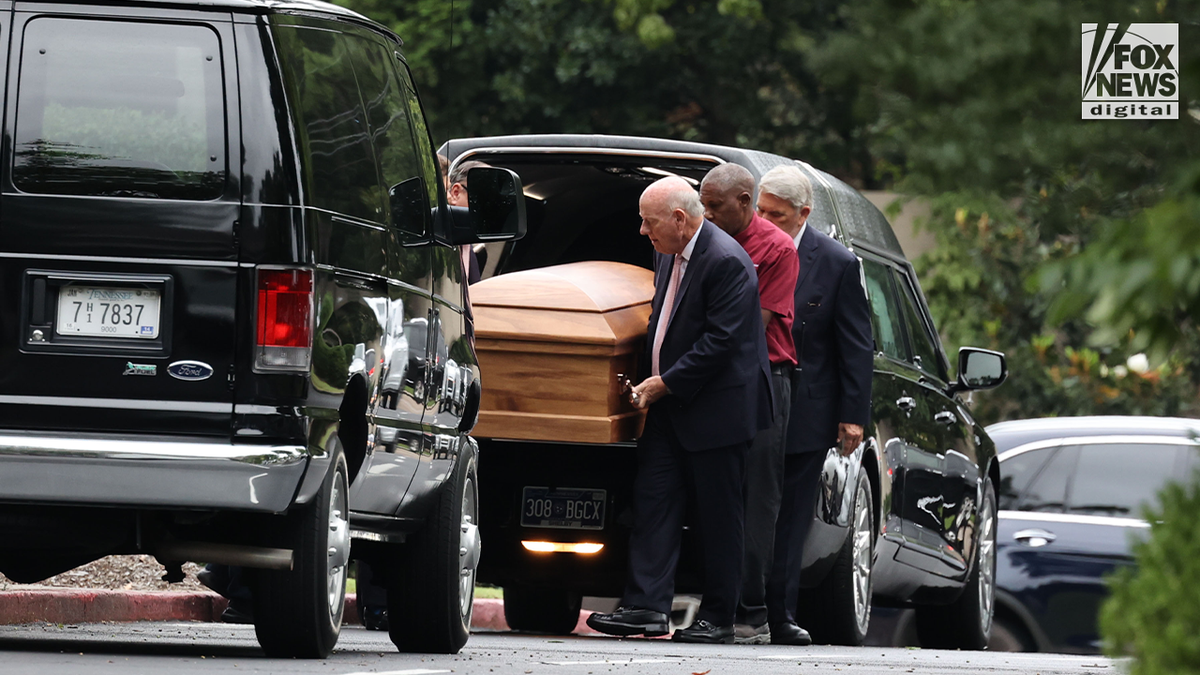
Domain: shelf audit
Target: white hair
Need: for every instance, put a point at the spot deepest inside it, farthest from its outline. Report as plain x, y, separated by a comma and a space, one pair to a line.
789, 184
678, 194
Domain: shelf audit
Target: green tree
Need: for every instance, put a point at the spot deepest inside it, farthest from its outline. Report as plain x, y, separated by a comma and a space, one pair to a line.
733, 72
976, 106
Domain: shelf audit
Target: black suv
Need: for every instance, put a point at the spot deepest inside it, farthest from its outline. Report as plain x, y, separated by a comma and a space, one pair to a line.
909, 519
233, 325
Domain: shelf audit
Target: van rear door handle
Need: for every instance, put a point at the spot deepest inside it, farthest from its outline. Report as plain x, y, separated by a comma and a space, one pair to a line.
1034, 537
945, 417
906, 402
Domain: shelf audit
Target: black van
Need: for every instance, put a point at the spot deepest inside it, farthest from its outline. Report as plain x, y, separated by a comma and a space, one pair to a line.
233, 325
909, 519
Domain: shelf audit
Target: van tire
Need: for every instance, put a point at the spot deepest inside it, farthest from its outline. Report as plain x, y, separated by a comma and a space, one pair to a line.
298, 613
966, 623
838, 610
541, 610
431, 586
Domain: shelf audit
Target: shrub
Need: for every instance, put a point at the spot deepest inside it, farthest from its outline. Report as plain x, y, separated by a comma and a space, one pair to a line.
1154, 611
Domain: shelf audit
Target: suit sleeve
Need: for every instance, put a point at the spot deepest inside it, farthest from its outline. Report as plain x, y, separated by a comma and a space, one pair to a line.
729, 289
852, 329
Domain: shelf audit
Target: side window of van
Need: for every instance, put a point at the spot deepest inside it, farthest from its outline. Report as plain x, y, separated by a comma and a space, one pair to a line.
886, 313
420, 132
392, 135
120, 108
338, 163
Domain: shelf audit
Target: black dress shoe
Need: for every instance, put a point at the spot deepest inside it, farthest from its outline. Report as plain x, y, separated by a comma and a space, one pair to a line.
705, 632
790, 634
238, 611
630, 621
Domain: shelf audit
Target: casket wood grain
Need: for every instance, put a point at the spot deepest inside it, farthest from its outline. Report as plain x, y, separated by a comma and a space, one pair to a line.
551, 342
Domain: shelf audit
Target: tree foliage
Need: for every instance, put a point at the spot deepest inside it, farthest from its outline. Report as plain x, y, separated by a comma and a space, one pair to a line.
1154, 611
732, 72
976, 106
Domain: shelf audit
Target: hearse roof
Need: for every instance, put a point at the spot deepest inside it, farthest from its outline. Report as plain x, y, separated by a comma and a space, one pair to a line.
241, 6
861, 222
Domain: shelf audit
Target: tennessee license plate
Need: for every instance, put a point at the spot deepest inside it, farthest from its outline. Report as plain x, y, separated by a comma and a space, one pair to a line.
564, 508
103, 311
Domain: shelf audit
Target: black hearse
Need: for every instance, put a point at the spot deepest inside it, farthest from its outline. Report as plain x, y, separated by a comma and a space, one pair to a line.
233, 325
909, 519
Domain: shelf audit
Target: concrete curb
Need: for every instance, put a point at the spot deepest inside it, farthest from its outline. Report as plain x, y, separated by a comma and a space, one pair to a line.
72, 606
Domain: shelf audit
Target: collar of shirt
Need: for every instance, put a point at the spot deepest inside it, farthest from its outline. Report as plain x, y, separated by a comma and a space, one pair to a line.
687, 251
800, 234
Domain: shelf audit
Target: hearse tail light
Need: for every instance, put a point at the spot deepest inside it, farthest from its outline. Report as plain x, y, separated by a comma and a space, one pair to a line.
285, 320
561, 547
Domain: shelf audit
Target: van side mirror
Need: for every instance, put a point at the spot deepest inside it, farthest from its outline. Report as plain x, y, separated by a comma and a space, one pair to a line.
409, 202
979, 369
495, 211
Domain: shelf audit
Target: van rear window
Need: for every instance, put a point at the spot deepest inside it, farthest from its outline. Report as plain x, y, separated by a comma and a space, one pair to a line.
124, 109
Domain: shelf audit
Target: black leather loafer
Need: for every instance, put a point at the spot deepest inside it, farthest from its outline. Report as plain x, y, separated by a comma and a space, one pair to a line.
790, 634
705, 632
630, 621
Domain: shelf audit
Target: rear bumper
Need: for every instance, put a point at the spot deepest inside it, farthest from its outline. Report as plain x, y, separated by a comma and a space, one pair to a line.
159, 473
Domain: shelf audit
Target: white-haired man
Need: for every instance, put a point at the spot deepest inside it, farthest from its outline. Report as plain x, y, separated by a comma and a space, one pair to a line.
831, 389
707, 391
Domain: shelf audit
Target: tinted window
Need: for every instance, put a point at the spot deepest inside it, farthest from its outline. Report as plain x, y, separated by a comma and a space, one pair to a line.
429, 165
1017, 471
391, 133
1047, 492
1117, 479
120, 109
338, 163
920, 342
886, 324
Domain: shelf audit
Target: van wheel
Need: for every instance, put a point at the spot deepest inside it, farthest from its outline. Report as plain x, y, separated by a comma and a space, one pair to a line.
838, 610
432, 588
298, 613
966, 623
541, 610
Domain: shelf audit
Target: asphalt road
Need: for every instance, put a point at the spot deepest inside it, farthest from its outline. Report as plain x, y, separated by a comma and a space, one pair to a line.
186, 648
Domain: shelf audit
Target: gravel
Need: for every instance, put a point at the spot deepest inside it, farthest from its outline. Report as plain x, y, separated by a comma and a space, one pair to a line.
116, 572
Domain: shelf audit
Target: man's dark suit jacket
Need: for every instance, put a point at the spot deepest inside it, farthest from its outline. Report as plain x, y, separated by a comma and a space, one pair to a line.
834, 345
714, 355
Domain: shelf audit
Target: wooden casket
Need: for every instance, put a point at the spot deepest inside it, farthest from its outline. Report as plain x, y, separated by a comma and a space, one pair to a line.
551, 344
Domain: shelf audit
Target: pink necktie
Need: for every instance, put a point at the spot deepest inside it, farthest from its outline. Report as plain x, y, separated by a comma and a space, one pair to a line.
664, 316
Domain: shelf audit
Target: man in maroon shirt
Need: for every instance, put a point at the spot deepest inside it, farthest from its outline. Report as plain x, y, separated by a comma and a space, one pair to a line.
727, 194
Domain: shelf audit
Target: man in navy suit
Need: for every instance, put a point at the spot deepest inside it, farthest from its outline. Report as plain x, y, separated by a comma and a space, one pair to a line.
708, 394
831, 388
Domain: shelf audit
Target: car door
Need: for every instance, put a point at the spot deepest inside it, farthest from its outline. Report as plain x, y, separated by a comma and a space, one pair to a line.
453, 365
398, 411
892, 405
1066, 519
947, 446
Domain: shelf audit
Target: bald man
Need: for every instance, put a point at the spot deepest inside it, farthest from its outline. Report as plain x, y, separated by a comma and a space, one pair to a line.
707, 395
727, 194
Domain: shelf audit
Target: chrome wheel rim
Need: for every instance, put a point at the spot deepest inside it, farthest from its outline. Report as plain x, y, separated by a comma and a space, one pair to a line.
469, 547
339, 545
987, 560
862, 550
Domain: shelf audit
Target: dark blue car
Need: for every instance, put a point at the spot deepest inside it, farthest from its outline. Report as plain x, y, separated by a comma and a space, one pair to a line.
1071, 497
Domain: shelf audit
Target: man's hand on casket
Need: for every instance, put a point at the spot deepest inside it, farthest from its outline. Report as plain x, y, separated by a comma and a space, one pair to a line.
650, 390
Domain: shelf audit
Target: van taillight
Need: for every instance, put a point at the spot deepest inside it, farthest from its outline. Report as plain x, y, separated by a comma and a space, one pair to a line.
285, 323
